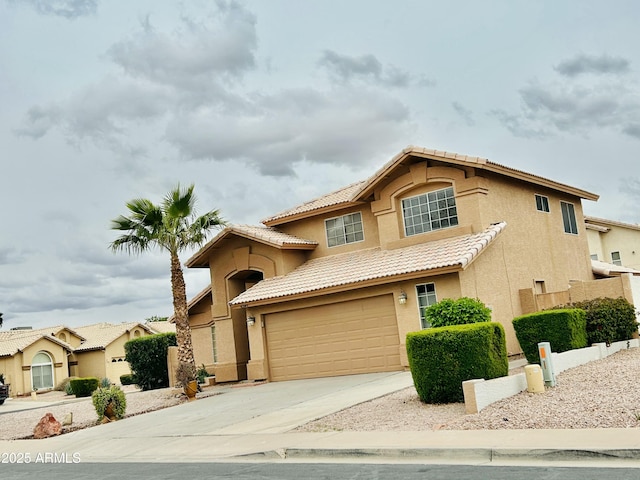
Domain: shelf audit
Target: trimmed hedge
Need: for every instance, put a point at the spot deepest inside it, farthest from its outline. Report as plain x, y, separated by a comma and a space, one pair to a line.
442, 358
464, 310
84, 387
565, 329
609, 319
147, 357
128, 379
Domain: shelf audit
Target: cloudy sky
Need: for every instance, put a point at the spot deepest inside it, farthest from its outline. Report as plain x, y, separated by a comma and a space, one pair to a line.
266, 104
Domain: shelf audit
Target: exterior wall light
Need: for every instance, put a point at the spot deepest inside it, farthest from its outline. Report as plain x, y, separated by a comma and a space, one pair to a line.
402, 298
251, 321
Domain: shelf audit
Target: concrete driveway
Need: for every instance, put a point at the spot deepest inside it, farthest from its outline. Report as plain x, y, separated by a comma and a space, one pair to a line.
241, 420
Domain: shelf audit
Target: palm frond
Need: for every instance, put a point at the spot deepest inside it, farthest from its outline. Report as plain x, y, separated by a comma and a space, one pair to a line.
179, 202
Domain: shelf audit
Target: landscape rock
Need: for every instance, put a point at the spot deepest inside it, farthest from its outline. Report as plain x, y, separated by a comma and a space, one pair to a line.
48, 426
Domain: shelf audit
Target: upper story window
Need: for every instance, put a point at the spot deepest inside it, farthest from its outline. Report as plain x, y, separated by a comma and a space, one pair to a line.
429, 211
345, 229
616, 259
542, 203
426, 294
594, 256
569, 218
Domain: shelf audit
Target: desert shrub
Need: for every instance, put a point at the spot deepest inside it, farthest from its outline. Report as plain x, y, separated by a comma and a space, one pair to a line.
457, 312
147, 357
105, 382
84, 387
565, 329
128, 379
185, 373
201, 374
103, 396
442, 358
609, 319
62, 386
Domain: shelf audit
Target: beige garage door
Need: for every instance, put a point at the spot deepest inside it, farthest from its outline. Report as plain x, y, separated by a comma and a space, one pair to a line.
359, 336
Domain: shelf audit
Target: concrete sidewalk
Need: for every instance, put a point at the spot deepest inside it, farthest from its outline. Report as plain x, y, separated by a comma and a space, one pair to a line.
252, 424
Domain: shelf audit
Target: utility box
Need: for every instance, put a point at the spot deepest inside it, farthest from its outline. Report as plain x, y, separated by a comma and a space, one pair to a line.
535, 381
544, 349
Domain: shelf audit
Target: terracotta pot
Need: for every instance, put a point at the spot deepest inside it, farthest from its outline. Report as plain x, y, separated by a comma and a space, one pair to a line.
109, 411
190, 389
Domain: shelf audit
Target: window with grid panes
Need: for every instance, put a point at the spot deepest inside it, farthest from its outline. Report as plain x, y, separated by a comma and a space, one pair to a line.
429, 211
344, 229
426, 294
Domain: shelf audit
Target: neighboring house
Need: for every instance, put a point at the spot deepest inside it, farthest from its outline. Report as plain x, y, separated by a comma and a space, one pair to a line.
102, 354
333, 286
614, 242
41, 358
32, 360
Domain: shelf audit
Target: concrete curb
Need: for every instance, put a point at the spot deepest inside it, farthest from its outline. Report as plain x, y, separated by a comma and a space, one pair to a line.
474, 455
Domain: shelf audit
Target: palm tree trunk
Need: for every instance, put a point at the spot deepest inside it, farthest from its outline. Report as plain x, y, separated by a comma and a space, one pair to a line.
180, 313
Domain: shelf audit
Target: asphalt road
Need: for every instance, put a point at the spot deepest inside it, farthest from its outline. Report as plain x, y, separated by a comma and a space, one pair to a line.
307, 471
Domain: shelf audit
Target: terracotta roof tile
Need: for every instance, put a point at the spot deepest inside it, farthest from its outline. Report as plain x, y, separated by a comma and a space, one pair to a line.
14, 341
100, 335
610, 270
369, 264
344, 195
269, 235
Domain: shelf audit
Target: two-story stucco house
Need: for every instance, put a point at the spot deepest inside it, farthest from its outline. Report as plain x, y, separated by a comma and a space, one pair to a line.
614, 242
333, 286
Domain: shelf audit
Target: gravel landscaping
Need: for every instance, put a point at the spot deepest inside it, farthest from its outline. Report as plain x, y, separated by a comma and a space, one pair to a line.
600, 394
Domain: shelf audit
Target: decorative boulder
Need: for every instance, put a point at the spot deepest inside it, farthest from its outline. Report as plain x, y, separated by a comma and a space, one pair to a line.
48, 426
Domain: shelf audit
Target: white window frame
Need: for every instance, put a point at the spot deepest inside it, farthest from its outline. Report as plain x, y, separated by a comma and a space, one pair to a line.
429, 299
569, 221
39, 369
344, 231
423, 208
543, 204
616, 261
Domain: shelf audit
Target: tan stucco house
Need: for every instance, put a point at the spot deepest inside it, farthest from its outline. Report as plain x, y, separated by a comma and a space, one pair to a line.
32, 360
333, 286
614, 242
42, 358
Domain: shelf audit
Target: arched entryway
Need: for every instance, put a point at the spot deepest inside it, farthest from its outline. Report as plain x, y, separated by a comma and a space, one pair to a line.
238, 283
42, 371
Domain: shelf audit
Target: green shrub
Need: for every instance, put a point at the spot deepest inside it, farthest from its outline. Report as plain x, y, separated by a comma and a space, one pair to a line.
147, 357
84, 387
201, 374
128, 379
608, 319
103, 396
565, 329
105, 383
456, 312
442, 358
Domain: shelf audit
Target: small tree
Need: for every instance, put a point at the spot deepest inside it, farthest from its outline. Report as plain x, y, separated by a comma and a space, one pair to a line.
148, 359
449, 312
173, 227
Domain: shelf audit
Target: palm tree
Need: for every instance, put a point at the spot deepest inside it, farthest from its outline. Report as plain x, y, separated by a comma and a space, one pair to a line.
174, 227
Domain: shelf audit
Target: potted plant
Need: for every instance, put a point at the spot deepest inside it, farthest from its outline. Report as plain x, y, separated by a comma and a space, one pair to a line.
110, 403
186, 377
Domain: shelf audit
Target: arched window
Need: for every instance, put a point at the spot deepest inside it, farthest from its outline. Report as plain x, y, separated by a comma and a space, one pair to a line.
62, 337
41, 371
136, 333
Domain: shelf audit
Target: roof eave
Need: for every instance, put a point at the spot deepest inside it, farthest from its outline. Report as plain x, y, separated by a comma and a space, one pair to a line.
479, 163
352, 286
311, 213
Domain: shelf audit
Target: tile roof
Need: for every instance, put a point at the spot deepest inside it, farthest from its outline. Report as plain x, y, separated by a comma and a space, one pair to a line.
353, 193
14, 341
602, 223
365, 265
100, 335
261, 233
610, 270
337, 197
162, 327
